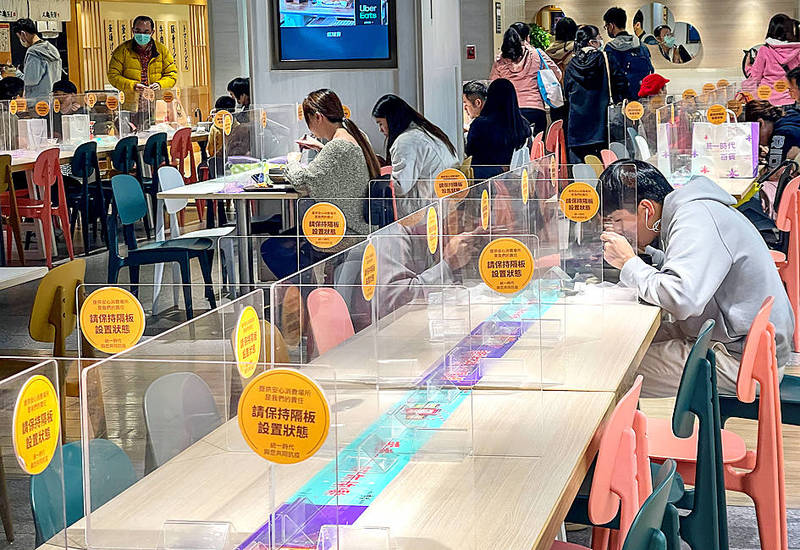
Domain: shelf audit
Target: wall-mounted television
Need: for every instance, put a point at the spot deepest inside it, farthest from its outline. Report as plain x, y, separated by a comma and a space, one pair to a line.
334, 34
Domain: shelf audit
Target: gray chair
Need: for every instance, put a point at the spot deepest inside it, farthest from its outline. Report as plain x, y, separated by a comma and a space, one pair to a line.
619, 150
631, 144
585, 173
179, 410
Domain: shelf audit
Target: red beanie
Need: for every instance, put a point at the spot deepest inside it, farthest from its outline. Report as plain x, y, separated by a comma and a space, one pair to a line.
652, 84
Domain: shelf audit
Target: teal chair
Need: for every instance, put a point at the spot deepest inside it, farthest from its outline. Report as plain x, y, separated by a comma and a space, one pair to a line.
706, 526
731, 407
125, 160
132, 207
111, 473
645, 532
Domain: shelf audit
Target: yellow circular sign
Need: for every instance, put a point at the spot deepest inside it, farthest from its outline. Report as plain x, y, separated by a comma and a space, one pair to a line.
369, 272
22, 104
553, 169
112, 319
634, 110
284, 416
485, 209
580, 201
450, 181
346, 110
324, 225
247, 341
709, 87
91, 99
736, 106
168, 96
525, 184
747, 96
56, 105
263, 119
717, 114
149, 94
42, 108
656, 102
764, 91
433, 230
689, 94
300, 111
219, 118
122, 97
781, 86
722, 83
112, 102
12, 106
506, 265
36, 424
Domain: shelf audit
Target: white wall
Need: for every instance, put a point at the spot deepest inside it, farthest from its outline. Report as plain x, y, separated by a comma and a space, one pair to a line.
477, 28
358, 89
227, 24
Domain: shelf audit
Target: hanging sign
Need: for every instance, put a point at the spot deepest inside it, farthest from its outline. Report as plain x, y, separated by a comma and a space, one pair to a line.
324, 225
36, 424
112, 319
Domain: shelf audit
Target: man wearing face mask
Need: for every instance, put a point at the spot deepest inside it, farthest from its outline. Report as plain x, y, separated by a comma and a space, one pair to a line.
668, 48
42, 60
141, 63
714, 265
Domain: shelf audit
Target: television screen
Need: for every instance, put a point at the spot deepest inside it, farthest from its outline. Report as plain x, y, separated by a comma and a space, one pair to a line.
334, 34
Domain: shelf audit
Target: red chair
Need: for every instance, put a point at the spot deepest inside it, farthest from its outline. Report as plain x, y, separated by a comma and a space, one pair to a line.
789, 264
329, 319
46, 172
555, 143
759, 473
535, 146
180, 151
9, 209
608, 156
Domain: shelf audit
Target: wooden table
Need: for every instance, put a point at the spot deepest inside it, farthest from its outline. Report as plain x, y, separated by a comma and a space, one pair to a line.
13, 276
736, 187
511, 493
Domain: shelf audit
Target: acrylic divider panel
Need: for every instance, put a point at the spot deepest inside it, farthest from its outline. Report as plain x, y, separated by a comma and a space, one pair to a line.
191, 471
93, 116
38, 463
25, 132
628, 120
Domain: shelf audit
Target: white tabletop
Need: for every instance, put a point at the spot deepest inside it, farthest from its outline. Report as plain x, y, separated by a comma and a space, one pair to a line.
212, 190
13, 276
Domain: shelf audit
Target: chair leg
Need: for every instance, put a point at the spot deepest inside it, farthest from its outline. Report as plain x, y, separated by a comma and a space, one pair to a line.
601, 538
186, 279
206, 261
44, 236
5, 506
134, 275
671, 527
85, 223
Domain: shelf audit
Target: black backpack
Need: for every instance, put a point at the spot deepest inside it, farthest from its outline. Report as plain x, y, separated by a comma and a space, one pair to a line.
379, 205
636, 64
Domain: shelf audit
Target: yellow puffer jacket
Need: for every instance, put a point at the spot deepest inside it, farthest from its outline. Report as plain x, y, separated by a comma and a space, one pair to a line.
125, 69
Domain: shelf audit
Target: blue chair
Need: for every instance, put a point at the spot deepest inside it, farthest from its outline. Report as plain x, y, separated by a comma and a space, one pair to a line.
111, 473
132, 207
125, 160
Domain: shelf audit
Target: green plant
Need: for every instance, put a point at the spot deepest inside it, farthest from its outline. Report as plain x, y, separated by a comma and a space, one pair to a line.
540, 38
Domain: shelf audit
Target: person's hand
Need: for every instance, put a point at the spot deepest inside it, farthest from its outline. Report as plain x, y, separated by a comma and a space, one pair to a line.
308, 142
155, 86
459, 250
616, 249
294, 156
138, 87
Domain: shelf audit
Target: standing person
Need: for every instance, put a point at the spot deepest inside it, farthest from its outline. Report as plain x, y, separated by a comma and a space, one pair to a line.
628, 59
519, 63
586, 88
561, 51
141, 63
416, 148
42, 60
473, 98
638, 29
498, 132
670, 50
780, 54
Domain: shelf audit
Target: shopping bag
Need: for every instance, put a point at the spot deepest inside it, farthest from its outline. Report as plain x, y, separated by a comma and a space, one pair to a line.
728, 150
521, 157
32, 133
549, 86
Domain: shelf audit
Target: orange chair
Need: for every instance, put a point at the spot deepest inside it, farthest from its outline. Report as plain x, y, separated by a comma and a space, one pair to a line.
46, 172
555, 143
180, 151
788, 220
329, 319
758, 473
608, 156
539, 139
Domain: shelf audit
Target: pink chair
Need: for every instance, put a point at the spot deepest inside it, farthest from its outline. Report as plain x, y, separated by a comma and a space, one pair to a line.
608, 156
763, 475
555, 143
386, 171
789, 264
329, 319
537, 145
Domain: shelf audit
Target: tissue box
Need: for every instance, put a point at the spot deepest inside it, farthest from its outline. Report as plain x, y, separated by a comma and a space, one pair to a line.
75, 128
32, 133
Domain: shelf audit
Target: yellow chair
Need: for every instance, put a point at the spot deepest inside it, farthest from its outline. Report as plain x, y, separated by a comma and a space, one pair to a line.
281, 351
53, 316
594, 162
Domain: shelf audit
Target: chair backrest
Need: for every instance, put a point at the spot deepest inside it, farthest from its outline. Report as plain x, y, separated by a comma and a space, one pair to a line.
181, 150
619, 150
170, 178
155, 151
46, 172
111, 473
281, 352
125, 157
585, 173
551, 142
758, 357
642, 148
84, 160
129, 198
595, 163
179, 410
5, 173
632, 146
683, 414
614, 486
386, 171
537, 151
645, 532
608, 156
329, 319
788, 221
67, 277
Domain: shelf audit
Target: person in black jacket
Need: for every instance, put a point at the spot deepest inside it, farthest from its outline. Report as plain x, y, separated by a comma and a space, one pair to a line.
498, 132
587, 93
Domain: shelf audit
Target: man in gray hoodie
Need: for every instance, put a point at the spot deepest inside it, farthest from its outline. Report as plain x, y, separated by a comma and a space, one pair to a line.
42, 60
714, 265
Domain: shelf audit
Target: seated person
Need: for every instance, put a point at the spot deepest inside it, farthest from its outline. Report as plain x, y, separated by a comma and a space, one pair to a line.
226, 103
65, 92
474, 98
714, 265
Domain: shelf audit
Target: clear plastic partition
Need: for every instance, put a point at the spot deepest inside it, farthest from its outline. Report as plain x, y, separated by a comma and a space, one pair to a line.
25, 127
626, 123
97, 116
36, 461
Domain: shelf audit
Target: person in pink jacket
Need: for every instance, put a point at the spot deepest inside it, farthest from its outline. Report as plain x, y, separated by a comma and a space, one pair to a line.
779, 55
519, 62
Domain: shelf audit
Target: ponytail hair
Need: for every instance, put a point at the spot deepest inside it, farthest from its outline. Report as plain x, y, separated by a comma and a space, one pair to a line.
512, 47
782, 27
584, 35
328, 104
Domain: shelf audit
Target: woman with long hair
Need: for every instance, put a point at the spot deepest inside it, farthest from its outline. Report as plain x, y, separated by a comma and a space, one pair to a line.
416, 148
497, 132
779, 55
519, 63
